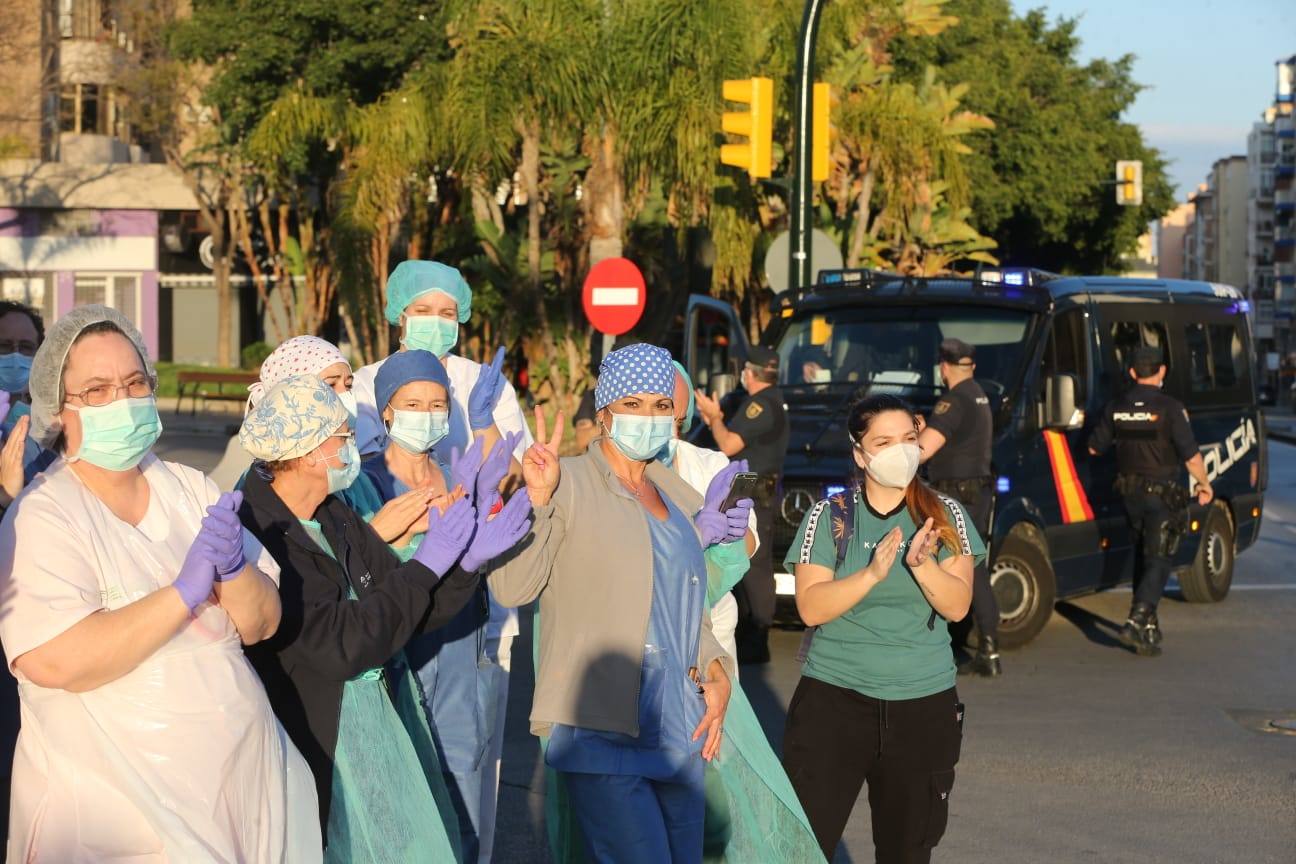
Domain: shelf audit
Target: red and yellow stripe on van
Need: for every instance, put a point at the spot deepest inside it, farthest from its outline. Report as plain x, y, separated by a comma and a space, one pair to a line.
1071, 495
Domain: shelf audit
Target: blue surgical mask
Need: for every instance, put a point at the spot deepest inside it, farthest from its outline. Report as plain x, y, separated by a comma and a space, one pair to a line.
641, 438
348, 400
118, 435
430, 333
667, 456
17, 411
419, 431
342, 478
14, 371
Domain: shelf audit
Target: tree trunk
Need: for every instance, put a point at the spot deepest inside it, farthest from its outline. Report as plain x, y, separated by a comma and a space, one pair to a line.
222, 255
604, 201
861, 219
530, 171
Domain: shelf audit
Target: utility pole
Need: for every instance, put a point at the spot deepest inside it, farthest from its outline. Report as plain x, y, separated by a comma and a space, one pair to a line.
802, 209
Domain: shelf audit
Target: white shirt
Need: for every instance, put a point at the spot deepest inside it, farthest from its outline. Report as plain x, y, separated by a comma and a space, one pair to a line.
371, 437
182, 758
698, 466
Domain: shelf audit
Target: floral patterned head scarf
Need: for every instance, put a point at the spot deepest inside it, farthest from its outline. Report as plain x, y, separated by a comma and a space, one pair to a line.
293, 418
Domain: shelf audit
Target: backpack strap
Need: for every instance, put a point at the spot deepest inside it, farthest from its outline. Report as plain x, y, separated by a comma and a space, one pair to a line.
841, 513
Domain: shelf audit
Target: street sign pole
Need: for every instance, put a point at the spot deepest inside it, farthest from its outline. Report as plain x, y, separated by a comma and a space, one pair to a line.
802, 183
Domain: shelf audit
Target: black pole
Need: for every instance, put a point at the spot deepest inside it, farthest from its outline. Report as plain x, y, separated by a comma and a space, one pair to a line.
802, 184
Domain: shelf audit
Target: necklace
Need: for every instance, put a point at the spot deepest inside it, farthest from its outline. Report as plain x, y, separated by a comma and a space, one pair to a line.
639, 491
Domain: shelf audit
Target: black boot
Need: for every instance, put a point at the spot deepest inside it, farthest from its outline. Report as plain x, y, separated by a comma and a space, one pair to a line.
986, 660
1136, 633
1153, 629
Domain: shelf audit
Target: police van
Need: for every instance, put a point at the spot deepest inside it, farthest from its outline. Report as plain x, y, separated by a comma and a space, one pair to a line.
1051, 351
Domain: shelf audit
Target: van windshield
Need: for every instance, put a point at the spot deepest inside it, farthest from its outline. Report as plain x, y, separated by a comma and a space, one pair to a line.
895, 349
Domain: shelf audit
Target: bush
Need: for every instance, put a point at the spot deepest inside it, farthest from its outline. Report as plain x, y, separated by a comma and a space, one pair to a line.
254, 355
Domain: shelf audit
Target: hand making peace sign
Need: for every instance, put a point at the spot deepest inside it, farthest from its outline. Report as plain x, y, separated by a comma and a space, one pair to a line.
540, 468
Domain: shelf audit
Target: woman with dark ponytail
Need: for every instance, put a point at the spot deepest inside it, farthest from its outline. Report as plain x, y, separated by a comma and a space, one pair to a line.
875, 568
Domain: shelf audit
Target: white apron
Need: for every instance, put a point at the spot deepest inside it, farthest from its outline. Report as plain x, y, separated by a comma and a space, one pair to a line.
181, 760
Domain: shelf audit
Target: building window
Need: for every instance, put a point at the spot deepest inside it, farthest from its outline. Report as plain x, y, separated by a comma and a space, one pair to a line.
118, 290
81, 19
88, 109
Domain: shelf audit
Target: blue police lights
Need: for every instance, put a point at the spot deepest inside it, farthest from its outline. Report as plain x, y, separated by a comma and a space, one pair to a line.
833, 489
1002, 485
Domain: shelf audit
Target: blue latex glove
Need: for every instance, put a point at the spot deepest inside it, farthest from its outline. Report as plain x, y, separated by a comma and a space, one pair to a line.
464, 468
496, 536
486, 392
447, 537
494, 469
738, 518
713, 525
197, 573
223, 534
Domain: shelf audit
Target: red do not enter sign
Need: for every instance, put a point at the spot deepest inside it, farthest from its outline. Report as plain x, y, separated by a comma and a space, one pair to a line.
614, 296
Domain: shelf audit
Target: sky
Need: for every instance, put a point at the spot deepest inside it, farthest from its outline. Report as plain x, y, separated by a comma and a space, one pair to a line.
1207, 66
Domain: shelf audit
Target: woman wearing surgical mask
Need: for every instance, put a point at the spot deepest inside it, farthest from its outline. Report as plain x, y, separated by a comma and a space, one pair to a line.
876, 700
631, 685
21, 334
350, 606
458, 683
429, 301
127, 590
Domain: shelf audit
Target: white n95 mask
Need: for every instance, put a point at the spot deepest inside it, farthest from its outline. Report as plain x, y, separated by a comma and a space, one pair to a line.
893, 466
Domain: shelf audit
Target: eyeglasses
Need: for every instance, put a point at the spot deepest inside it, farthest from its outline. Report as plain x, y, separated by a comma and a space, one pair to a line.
24, 346
102, 394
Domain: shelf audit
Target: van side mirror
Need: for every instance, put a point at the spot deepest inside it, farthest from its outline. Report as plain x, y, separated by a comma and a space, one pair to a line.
1060, 410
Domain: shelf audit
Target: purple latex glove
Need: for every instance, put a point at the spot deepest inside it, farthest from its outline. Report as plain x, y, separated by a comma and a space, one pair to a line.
447, 537
464, 468
494, 468
197, 573
713, 525
485, 393
496, 536
738, 518
223, 533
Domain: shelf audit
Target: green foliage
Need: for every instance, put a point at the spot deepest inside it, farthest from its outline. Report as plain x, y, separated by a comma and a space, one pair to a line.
253, 355
1038, 181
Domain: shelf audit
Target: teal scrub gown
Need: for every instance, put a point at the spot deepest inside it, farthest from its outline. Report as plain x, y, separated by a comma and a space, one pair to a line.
387, 786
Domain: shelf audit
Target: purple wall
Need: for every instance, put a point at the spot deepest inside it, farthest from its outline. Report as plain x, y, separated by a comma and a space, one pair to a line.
18, 223
149, 312
64, 292
128, 223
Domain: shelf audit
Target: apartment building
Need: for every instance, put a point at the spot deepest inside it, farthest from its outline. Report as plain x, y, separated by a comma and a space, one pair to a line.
1271, 228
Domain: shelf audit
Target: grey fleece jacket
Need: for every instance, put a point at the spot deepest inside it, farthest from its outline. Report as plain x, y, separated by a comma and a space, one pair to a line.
589, 560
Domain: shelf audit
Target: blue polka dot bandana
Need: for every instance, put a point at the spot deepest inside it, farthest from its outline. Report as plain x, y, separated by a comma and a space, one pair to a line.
640, 368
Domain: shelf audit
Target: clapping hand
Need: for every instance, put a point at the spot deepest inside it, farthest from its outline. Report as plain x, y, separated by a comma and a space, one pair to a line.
922, 544
12, 474
485, 393
448, 535
224, 536
494, 468
884, 555
464, 467
708, 407
540, 466
496, 536
400, 514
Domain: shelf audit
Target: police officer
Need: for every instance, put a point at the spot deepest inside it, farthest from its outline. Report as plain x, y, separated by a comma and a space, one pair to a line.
758, 432
1153, 438
955, 444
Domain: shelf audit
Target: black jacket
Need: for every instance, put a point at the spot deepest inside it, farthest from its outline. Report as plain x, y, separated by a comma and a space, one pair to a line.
324, 638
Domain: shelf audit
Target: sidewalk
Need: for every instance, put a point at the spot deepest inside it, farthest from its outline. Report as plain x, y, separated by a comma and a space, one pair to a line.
218, 419
1280, 424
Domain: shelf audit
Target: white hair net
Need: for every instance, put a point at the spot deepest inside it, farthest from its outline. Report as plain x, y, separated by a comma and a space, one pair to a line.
46, 381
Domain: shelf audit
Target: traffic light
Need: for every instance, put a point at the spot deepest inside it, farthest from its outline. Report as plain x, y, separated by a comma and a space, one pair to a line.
1129, 183
756, 124
825, 133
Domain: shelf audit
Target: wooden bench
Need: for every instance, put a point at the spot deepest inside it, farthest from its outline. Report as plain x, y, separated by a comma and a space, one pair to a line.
211, 385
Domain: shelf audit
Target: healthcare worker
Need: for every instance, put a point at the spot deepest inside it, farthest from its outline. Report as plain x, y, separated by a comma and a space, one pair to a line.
428, 301
875, 568
457, 682
350, 605
631, 686
126, 586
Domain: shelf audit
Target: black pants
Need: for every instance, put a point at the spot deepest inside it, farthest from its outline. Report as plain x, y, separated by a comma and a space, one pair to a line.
1148, 518
755, 593
836, 739
978, 500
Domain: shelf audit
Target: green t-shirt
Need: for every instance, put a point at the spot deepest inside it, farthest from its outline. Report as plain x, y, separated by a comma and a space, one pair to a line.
881, 647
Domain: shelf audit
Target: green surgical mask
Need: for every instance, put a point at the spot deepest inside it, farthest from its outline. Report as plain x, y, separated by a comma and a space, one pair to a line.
118, 435
430, 333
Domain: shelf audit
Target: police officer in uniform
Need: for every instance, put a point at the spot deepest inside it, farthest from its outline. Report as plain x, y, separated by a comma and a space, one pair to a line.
758, 432
1153, 438
955, 444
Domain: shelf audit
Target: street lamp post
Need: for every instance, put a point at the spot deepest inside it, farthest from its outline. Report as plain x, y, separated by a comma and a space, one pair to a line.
802, 182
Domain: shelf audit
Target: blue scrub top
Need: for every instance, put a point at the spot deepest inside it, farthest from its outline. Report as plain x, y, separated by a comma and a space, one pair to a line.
670, 707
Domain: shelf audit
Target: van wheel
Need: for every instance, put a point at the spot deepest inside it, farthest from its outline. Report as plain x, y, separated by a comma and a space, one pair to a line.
1211, 574
1024, 587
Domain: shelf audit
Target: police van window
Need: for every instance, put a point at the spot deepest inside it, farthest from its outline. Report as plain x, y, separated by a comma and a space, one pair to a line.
1125, 337
1218, 371
1066, 352
710, 347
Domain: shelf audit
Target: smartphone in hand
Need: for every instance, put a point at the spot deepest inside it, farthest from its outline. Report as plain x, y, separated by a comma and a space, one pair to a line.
744, 485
